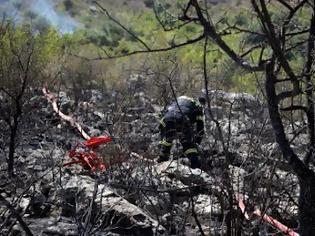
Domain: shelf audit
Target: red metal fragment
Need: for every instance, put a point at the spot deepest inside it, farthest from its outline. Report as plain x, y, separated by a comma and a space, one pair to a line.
84, 155
88, 159
96, 141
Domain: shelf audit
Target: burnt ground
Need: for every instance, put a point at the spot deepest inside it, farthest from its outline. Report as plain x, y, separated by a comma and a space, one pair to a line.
136, 195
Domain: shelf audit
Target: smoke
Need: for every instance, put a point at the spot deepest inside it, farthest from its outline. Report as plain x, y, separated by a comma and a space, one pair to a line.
21, 11
64, 23
7, 10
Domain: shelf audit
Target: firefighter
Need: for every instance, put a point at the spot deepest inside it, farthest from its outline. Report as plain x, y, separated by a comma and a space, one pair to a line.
183, 120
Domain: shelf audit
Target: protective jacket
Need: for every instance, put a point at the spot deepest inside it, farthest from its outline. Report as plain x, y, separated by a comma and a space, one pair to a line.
184, 120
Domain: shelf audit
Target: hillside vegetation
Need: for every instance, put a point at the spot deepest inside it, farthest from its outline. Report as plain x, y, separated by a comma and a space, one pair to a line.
92, 33
112, 66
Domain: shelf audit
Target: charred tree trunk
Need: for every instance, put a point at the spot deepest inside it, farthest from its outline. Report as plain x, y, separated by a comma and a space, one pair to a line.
307, 185
305, 175
19, 100
14, 128
310, 113
307, 206
13, 132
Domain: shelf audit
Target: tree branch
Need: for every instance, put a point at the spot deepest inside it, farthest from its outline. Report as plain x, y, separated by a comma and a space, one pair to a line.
16, 215
188, 21
211, 32
287, 94
274, 42
287, 5
296, 164
188, 42
293, 108
310, 113
123, 27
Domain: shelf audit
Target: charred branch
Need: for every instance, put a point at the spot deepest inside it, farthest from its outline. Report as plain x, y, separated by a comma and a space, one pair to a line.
310, 113
296, 45
294, 108
252, 49
165, 28
290, 16
211, 32
188, 42
296, 164
274, 41
297, 33
185, 17
287, 5
122, 26
287, 94
241, 30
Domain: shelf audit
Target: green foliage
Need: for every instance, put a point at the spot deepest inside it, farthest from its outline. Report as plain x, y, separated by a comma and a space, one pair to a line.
116, 41
245, 82
241, 19
13, 41
50, 45
103, 35
16, 46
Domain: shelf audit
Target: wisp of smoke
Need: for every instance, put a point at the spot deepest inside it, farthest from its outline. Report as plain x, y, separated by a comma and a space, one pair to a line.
64, 23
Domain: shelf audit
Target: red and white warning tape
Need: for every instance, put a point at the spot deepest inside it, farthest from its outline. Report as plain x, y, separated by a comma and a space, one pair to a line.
53, 100
268, 219
82, 153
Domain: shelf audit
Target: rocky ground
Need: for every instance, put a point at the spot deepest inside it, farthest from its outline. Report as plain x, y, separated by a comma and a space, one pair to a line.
137, 196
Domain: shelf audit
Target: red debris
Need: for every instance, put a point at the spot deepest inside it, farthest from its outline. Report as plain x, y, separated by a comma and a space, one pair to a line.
84, 155
96, 141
